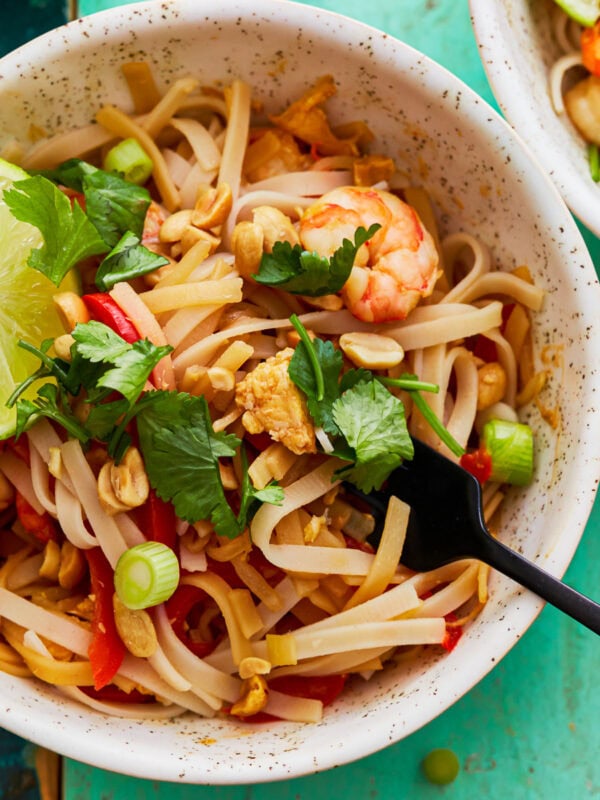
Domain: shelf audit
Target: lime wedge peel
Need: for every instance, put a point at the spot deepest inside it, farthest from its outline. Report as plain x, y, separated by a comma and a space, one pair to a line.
586, 12
26, 308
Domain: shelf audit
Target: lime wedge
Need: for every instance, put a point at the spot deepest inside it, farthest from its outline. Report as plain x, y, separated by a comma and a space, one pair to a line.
586, 12
26, 308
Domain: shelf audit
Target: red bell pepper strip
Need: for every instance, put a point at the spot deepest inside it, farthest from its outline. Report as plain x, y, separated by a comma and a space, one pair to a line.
106, 651
178, 607
42, 526
478, 463
590, 48
485, 349
103, 308
157, 520
259, 441
453, 633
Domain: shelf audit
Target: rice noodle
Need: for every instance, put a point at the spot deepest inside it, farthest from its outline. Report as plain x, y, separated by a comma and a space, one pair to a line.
70, 517
19, 475
105, 528
297, 590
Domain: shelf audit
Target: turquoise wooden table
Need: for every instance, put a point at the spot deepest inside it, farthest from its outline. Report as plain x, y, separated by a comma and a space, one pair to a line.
531, 729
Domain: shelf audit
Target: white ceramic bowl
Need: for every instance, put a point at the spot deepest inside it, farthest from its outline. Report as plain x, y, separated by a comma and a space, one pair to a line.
517, 48
482, 179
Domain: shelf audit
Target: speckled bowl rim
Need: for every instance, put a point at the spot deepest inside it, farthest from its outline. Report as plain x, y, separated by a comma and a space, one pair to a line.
86, 742
532, 115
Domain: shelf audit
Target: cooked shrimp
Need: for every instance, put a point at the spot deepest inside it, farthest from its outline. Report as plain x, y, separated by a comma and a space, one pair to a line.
394, 270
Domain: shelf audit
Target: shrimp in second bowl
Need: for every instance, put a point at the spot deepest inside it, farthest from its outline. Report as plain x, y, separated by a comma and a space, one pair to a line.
394, 270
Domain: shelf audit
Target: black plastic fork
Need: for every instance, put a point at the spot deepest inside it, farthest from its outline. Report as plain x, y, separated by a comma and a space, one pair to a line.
446, 524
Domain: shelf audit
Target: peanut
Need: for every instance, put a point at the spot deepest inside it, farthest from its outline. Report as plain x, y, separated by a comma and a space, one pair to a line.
212, 206
255, 694
491, 384
71, 309
135, 628
247, 245
371, 350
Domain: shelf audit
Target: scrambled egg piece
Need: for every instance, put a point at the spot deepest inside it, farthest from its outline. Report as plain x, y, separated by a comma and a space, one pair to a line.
272, 403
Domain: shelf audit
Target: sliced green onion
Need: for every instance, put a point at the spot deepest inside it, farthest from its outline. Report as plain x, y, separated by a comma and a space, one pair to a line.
594, 159
410, 383
436, 424
441, 766
583, 11
312, 355
510, 445
146, 575
131, 160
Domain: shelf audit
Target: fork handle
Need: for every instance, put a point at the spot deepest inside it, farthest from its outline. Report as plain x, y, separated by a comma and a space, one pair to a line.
546, 586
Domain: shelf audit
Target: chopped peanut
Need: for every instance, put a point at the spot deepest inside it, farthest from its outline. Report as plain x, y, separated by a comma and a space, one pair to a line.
371, 350
316, 526
71, 309
492, 385
192, 236
247, 245
255, 694
55, 462
62, 346
51, 563
124, 486
173, 227
72, 566
252, 665
213, 205
135, 628
276, 227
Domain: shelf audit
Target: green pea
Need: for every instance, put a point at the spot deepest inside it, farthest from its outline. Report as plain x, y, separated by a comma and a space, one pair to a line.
441, 766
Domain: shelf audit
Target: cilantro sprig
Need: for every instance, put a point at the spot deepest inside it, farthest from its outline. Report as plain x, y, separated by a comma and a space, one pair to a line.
102, 363
366, 422
300, 271
69, 236
181, 453
110, 219
181, 450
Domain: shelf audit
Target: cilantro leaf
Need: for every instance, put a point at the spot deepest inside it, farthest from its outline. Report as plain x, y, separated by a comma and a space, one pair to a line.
128, 259
374, 427
129, 364
353, 376
96, 342
302, 272
103, 418
70, 173
251, 498
181, 453
131, 369
68, 234
302, 373
49, 403
114, 205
